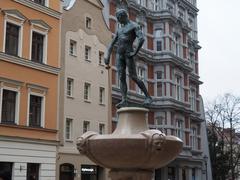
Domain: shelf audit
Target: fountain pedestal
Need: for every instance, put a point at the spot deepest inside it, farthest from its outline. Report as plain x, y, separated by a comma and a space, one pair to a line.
133, 151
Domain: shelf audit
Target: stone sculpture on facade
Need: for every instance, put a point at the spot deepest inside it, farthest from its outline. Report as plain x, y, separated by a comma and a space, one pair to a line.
125, 53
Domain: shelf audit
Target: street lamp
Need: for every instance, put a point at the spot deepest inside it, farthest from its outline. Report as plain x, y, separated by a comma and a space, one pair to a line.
205, 160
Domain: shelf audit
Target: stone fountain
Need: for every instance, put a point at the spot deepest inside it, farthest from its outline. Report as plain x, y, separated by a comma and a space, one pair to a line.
132, 151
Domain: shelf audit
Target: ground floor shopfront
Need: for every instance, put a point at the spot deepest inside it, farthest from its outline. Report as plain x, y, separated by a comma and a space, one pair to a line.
24, 159
182, 170
71, 166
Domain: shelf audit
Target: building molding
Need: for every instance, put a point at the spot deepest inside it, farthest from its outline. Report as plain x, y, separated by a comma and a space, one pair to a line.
29, 140
28, 63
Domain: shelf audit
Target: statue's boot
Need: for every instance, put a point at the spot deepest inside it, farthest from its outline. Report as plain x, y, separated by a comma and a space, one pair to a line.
123, 103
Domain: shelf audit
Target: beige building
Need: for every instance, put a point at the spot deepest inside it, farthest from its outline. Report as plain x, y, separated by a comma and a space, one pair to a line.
84, 103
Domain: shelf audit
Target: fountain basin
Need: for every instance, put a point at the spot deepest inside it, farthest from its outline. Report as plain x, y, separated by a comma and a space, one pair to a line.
132, 145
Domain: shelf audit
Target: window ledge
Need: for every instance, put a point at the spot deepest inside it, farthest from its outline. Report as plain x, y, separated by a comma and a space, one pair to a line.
70, 97
28, 127
87, 101
29, 63
88, 60
73, 55
69, 140
102, 104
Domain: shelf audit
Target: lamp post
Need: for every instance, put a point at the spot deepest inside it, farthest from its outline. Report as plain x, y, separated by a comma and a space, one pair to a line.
205, 160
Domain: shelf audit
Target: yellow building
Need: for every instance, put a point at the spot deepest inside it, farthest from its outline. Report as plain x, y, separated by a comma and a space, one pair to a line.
29, 75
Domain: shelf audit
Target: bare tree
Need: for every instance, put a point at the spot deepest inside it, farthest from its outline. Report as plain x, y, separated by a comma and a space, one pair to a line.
223, 116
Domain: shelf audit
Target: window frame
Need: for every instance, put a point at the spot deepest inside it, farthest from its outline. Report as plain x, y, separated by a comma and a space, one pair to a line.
88, 22
70, 128
43, 104
87, 84
141, 74
17, 105
100, 57
72, 87
20, 35
87, 49
74, 51
27, 172
45, 4
104, 128
88, 126
102, 96
45, 44
159, 80
180, 129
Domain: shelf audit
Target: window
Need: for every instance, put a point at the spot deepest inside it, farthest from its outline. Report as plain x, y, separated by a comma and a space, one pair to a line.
88, 22
156, 5
159, 45
35, 111
101, 56
12, 39
193, 138
87, 87
33, 171
141, 76
68, 129
141, 2
159, 89
101, 95
178, 82
179, 129
159, 82
192, 99
9, 106
37, 47
193, 174
70, 87
160, 74
86, 126
177, 46
171, 173
160, 120
6, 170
87, 53
42, 2
101, 128
73, 48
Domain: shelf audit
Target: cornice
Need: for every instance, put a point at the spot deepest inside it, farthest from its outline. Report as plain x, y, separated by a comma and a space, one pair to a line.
40, 8
28, 63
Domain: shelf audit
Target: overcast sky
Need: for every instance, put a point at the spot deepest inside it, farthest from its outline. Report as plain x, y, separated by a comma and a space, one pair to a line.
219, 36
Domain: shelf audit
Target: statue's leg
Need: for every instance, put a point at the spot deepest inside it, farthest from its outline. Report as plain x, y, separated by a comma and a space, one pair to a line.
121, 67
133, 75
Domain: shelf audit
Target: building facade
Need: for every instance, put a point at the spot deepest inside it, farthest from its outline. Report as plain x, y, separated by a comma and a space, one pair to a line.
168, 65
84, 90
29, 71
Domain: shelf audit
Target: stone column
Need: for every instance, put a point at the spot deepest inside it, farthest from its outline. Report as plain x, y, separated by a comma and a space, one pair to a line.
179, 173
131, 174
189, 174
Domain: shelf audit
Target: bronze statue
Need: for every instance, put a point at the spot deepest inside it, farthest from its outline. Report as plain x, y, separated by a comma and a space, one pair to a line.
125, 52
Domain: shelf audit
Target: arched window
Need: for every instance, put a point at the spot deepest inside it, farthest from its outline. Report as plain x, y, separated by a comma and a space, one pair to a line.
66, 171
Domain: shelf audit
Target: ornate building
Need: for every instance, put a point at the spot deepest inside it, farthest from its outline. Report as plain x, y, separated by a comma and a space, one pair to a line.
168, 65
29, 72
